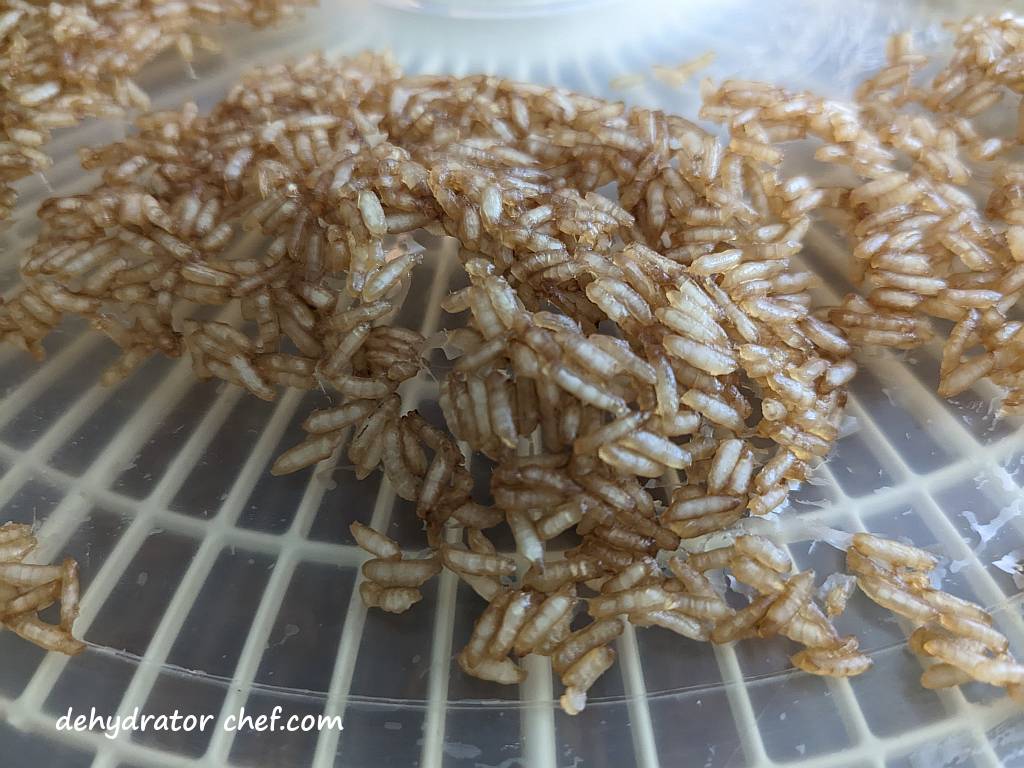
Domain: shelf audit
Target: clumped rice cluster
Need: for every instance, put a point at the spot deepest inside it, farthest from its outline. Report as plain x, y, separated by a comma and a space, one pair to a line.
63, 62
26, 589
926, 243
635, 309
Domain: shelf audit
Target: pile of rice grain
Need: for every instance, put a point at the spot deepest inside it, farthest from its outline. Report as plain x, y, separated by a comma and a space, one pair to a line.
62, 62
923, 246
661, 333
26, 589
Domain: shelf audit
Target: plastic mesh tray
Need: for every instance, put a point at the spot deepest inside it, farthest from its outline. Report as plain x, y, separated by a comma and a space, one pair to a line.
211, 585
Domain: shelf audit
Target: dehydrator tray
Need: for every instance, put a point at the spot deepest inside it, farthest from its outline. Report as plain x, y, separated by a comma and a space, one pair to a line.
210, 585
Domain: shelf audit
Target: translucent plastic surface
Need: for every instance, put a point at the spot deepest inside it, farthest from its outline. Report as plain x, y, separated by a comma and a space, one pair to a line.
211, 585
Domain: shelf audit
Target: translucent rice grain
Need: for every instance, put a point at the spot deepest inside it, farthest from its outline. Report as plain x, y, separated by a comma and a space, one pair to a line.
400, 573
322, 422
940, 676
33, 600
835, 592
689, 509
638, 600
438, 474
10, 532
946, 603
373, 214
642, 570
475, 515
24, 575
472, 563
789, 602
962, 626
750, 572
710, 359
575, 384
595, 635
389, 599
896, 599
307, 453
543, 620
69, 594
15, 550
51, 638
377, 544
516, 613
741, 622
1000, 672
894, 552
764, 551
834, 663
583, 673
811, 630
528, 543
657, 448
558, 573
629, 461
562, 519
714, 410
483, 630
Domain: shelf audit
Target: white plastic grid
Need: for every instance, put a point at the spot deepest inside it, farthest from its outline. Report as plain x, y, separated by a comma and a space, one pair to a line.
539, 737
290, 552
